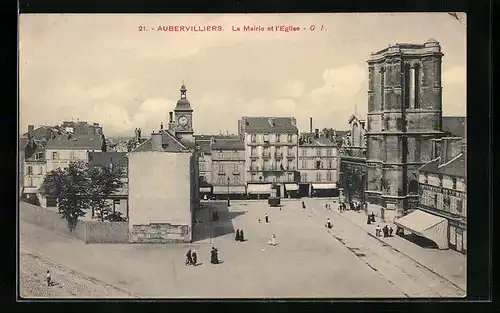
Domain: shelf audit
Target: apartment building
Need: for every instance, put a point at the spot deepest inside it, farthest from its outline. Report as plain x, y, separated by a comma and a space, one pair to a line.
270, 154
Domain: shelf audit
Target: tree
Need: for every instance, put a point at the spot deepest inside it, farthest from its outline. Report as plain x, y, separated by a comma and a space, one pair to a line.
105, 181
69, 186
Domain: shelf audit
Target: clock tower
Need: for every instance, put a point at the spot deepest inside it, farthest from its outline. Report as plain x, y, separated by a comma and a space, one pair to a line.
183, 115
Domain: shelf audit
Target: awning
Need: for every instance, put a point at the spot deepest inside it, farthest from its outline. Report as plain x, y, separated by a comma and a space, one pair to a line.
291, 187
222, 190
259, 189
205, 189
324, 186
427, 225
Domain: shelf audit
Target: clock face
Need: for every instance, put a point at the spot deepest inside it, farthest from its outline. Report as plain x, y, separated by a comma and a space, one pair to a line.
183, 120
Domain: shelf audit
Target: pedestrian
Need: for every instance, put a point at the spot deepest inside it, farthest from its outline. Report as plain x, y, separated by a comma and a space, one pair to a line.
373, 217
194, 257
328, 223
214, 259
267, 218
390, 231
49, 281
237, 237
272, 241
242, 236
259, 220
326, 207
377, 231
386, 231
189, 258
368, 220
303, 205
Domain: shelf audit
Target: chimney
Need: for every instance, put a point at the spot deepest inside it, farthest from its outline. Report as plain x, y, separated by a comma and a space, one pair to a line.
138, 134
156, 142
316, 133
310, 124
161, 126
171, 116
294, 121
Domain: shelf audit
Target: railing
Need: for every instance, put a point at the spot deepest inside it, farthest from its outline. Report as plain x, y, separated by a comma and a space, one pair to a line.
278, 154
266, 155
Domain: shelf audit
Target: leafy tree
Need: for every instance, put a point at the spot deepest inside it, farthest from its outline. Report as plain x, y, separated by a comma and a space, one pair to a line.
105, 181
69, 186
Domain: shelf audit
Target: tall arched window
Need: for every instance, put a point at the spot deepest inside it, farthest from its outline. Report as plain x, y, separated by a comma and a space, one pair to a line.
382, 88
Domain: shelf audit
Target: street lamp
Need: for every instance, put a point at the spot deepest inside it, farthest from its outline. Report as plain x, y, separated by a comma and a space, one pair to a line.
228, 201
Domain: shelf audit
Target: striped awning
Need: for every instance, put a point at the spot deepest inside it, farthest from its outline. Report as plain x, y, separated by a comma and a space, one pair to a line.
324, 186
291, 187
259, 189
222, 190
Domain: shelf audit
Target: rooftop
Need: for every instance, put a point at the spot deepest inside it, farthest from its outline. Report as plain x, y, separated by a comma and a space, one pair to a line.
456, 167
169, 143
455, 126
107, 158
72, 142
269, 124
228, 144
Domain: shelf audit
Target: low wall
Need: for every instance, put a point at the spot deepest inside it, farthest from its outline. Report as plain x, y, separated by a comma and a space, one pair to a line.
88, 231
106, 232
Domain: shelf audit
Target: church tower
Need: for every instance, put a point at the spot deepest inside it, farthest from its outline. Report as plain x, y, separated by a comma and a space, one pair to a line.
404, 115
183, 114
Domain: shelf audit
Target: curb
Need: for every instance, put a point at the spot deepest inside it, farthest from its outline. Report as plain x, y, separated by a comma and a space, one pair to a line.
408, 256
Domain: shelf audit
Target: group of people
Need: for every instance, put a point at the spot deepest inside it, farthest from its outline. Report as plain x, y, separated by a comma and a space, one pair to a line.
328, 207
192, 257
240, 236
387, 231
371, 218
342, 206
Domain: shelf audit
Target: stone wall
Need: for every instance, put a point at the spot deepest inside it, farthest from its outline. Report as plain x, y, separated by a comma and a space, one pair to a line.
106, 232
88, 231
160, 233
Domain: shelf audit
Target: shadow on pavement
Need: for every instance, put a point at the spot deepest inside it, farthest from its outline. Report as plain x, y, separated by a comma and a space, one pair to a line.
206, 228
421, 241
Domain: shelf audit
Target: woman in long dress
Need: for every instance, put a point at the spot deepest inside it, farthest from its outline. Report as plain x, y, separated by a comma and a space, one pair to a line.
272, 241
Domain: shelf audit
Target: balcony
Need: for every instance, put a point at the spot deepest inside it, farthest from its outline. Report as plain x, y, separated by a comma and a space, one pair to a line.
254, 169
278, 155
290, 156
254, 156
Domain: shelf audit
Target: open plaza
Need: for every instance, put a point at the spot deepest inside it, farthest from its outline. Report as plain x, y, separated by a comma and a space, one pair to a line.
308, 260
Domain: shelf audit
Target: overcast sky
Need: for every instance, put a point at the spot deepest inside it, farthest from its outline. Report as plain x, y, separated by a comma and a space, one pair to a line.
100, 68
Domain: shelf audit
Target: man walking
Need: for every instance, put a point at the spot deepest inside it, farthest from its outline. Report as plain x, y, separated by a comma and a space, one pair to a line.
267, 218
194, 256
377, 231
189, 258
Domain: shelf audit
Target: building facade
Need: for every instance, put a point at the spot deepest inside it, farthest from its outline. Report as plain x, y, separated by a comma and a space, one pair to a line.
318, 164
228, 167
353, 161
164, 181
204, 144
404, 115
119, 200
270, 154
443, 189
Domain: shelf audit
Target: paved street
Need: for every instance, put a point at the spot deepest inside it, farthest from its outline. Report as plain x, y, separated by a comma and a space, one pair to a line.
308, 261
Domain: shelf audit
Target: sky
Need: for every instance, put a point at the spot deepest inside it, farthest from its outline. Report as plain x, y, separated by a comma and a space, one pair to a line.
102, 68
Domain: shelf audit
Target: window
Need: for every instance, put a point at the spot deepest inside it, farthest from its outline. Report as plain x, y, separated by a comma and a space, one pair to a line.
454, 183
266, 138
222, 180
55, 155
29, 170
266, 164
329, 176
253, 151
236, 169
460, 205
304, 151
254, 165
40, 170
266, 151
304, 177
290, 165
318, 165
254, 177
407, 84
253, 138
382, 88
202, 166
318, 176
116, 205
290, 177
328, 152
278, 137
304, 164
318, 151
439, 201
290, 137
221, 169
72, 155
